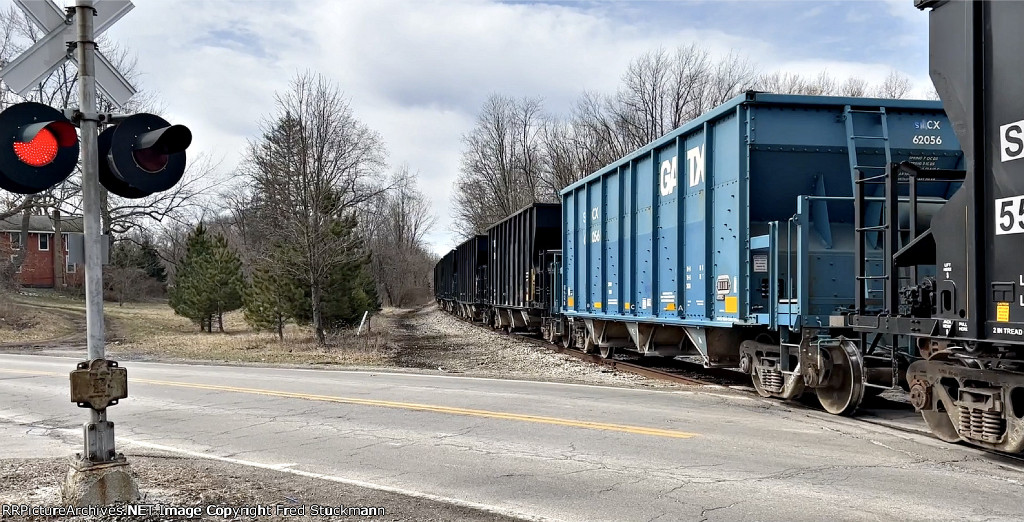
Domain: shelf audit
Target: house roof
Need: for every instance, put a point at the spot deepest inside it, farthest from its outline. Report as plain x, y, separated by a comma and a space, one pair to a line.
41, 224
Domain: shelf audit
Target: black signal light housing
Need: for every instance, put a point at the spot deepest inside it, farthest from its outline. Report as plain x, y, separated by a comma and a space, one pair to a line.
38, 148
142, 155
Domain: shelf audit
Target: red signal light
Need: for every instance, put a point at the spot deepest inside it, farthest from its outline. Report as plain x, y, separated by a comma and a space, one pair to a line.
150, 160
42, 150
38, 148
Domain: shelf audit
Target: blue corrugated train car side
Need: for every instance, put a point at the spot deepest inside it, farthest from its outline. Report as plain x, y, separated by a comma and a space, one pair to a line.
739, 226
738, 240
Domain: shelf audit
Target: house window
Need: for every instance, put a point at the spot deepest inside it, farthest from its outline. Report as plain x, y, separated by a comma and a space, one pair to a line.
13, 261
71, 268
15, 241
64, 239
44, 242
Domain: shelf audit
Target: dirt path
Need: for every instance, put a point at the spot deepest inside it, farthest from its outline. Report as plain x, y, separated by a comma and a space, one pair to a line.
59, 318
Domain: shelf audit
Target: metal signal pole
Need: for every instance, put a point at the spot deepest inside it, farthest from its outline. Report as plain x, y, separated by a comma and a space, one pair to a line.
99, 433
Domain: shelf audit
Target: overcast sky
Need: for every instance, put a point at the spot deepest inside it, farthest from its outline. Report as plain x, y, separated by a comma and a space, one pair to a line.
417, 71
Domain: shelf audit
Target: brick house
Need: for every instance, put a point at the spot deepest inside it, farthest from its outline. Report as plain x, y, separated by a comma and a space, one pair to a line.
43, 258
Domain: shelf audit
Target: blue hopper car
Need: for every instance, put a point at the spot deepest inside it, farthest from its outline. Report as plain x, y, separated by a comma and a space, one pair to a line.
734, 239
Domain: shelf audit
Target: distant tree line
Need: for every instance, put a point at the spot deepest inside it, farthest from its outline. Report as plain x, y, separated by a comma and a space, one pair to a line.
517, 154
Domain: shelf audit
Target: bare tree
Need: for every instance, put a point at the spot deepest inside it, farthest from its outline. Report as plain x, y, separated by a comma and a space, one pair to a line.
395, 224
125, 283
895, 85
312, 167
779, 82
660, 91
644, 106
501, 164
854, 86
733, 74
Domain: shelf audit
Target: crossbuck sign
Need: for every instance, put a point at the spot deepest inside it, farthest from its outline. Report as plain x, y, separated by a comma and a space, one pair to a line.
26, 71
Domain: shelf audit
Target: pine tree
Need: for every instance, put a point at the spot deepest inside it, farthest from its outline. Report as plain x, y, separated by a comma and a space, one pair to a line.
188, 296
271, 300
228, 283
149, 260
209, 280
349, 290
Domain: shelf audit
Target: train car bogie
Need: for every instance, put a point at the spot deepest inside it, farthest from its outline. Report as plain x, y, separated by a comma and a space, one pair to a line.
960, 401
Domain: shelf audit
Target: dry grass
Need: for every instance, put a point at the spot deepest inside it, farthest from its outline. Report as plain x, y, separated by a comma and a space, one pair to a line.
21, 323
152, 330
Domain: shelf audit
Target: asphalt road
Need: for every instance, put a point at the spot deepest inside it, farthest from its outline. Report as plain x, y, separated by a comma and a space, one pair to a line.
541, 450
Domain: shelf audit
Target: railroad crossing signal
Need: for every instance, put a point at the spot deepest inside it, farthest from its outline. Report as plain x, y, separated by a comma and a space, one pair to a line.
27, 70
141, 155
38, 148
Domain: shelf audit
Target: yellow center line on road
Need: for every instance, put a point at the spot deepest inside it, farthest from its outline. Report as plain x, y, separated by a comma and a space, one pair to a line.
638, 430
30, 372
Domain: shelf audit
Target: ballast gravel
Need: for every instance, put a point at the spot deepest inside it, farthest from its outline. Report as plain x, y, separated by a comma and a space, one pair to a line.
431, 340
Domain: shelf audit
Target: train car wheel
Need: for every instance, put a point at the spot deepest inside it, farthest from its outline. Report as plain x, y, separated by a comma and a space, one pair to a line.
583, 341
940, 425
843, 387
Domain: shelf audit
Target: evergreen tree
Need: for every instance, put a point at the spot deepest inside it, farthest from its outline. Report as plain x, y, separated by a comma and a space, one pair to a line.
349, 290
271, 300
228, 283
149, 260
188, 296
209, 280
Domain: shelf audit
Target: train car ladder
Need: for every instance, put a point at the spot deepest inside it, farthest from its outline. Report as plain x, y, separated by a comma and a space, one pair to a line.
863, 174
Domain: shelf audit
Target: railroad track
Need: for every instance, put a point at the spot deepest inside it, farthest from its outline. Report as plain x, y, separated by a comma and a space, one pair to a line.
629, 367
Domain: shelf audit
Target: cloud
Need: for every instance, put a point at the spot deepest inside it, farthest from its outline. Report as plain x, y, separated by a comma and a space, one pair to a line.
418, 71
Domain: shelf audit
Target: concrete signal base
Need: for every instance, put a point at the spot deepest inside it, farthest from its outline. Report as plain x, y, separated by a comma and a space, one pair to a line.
89, 484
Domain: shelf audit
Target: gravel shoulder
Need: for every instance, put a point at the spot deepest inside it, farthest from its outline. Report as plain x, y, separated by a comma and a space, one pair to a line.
208, 486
